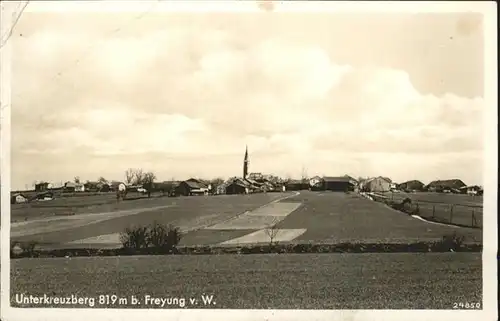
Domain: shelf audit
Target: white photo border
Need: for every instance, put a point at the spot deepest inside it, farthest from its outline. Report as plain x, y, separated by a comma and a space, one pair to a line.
489, 311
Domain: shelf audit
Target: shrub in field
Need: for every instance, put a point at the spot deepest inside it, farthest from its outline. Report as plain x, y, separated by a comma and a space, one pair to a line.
29, 247
157, 237
451, 242
163, 237
272, 232
15, 247
135, 238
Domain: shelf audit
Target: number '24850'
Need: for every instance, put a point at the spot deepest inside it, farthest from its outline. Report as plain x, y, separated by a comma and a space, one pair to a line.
467, 305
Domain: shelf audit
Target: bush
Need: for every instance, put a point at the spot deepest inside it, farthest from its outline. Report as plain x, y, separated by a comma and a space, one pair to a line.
29, 247
13, 246
164, 237
158, 237
135, 238
451, 242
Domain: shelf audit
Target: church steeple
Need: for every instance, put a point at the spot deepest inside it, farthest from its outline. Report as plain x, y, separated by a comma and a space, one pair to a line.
245, 163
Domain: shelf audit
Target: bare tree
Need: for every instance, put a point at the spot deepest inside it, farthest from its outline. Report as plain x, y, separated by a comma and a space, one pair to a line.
304, 178
215, 182
148, 181
138, 176
272, 231
129, 176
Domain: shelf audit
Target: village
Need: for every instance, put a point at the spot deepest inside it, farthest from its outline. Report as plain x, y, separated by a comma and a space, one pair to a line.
139, 182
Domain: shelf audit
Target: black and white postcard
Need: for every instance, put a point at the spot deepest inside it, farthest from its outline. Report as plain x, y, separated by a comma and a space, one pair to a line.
252, 160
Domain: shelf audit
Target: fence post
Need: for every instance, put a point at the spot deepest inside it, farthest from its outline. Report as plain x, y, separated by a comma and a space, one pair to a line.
433, 211
473, 218
451, 213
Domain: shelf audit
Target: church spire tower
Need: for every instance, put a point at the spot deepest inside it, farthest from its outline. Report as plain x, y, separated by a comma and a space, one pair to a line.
245, 163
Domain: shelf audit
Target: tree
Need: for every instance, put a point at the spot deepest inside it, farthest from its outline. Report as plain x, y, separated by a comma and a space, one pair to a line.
216, 182
129, 176
138, 177
272, 231
147, 180
77, 179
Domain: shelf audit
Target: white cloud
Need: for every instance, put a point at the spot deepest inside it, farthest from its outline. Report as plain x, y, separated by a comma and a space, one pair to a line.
171, 92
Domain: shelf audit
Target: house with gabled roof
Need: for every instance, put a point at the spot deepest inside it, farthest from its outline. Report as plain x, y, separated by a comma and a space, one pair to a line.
445, 185
413, 185
192, 186
18, 198
338, 184
376, 184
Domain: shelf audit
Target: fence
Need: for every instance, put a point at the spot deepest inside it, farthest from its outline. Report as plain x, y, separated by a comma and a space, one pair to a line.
457, 214
462, 215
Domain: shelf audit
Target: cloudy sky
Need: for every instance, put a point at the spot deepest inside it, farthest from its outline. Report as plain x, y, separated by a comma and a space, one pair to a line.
399, 95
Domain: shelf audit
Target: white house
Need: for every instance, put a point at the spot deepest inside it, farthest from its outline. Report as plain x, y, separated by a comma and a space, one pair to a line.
122, 187
315, 181
18, 198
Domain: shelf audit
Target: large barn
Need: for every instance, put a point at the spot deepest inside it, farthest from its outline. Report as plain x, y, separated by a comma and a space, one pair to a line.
338, 184
192, 187
237, 186
447, 184
413, 185
377, 184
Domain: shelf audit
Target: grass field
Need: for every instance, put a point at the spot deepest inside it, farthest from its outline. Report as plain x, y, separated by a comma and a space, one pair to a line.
185, 212
310, 217
444, 198
447, 208
305, 281
77, 205
340, 217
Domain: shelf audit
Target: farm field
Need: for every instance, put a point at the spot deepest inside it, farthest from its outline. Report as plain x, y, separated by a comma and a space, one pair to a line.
188, 213
308, 217
78, 204
338, 217
447, 208
293, 281
443, 198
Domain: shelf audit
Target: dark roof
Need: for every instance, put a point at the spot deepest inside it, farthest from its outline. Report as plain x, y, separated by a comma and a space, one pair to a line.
194, 183
18, 194
448, 183
412, 183
238, 183
252, 182
44, 194
351, 178
336, 179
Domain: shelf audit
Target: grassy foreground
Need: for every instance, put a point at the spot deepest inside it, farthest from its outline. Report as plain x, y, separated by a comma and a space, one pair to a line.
305, 281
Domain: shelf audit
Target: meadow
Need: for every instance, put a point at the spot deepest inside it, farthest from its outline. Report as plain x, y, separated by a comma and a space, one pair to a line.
262, 281
311, 218
75, 203
292, 281
331, 217
190, 213
458, 209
